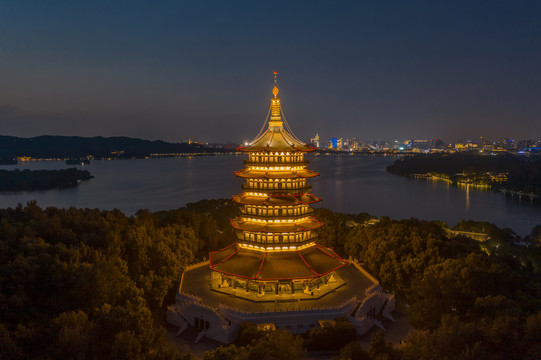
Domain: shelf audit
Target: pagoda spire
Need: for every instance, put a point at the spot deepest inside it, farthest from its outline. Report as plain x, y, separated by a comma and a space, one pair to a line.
276, 118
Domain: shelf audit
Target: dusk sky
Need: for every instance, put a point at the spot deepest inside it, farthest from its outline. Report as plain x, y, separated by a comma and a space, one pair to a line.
174, 70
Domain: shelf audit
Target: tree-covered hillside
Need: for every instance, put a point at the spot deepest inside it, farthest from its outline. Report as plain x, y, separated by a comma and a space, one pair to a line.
83, 284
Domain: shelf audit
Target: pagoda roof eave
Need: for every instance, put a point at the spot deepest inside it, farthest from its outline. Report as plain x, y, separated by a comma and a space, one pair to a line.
308, 263
267, 148
276, 139
272, 174
264, 200
288, 227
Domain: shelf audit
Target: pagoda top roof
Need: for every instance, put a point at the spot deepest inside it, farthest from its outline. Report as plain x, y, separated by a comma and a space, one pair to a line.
310, 262
276, 137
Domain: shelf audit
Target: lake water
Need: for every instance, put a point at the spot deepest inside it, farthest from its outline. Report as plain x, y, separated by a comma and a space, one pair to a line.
350, 184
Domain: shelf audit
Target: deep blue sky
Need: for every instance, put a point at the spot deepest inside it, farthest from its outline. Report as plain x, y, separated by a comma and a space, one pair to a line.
175, 70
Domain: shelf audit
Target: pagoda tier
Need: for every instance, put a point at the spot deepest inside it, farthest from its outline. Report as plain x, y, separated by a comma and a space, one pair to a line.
252, 198
275, 226
265, 174
275, 229
309, 262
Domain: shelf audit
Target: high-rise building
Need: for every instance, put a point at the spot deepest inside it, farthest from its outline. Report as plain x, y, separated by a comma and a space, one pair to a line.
276, 272
315, 141
333, 143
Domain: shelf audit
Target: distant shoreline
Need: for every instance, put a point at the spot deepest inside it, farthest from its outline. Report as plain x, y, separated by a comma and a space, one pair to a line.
20, 160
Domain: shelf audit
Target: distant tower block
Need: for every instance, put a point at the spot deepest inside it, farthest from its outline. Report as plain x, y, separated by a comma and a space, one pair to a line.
315, 141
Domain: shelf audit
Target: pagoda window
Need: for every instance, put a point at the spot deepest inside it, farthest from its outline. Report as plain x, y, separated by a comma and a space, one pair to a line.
281, 238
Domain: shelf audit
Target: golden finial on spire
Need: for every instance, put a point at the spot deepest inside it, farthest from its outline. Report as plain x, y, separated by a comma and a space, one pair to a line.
275, 119
275, 90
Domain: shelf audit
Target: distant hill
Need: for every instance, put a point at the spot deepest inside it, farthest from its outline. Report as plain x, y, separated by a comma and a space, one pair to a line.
50, 146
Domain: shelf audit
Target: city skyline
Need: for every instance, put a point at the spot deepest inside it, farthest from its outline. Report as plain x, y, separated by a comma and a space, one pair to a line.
196, 71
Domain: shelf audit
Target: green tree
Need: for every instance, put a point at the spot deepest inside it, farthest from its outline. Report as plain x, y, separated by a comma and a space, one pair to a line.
353, 351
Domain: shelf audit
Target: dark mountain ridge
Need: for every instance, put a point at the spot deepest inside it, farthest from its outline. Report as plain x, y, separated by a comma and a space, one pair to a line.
51, 146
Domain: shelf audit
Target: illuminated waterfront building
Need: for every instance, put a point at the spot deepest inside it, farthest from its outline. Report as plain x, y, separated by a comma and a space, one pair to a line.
276, 272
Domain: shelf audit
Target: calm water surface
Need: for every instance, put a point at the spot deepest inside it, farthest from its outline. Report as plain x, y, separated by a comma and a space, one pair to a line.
349, 184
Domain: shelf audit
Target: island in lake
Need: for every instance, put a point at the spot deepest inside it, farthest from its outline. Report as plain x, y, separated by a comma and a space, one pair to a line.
28, 180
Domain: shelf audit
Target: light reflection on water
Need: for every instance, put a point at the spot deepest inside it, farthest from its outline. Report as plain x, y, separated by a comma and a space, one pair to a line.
350, 184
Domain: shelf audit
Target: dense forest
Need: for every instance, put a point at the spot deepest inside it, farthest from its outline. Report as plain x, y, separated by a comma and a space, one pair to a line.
49, 146
27, 180
523, 173
84, 284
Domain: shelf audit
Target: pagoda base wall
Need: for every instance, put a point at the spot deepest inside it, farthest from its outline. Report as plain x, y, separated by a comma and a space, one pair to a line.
278, 290
218, 315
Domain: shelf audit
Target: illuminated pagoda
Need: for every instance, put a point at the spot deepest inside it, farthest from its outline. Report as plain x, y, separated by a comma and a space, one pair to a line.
276, 275
276, 251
